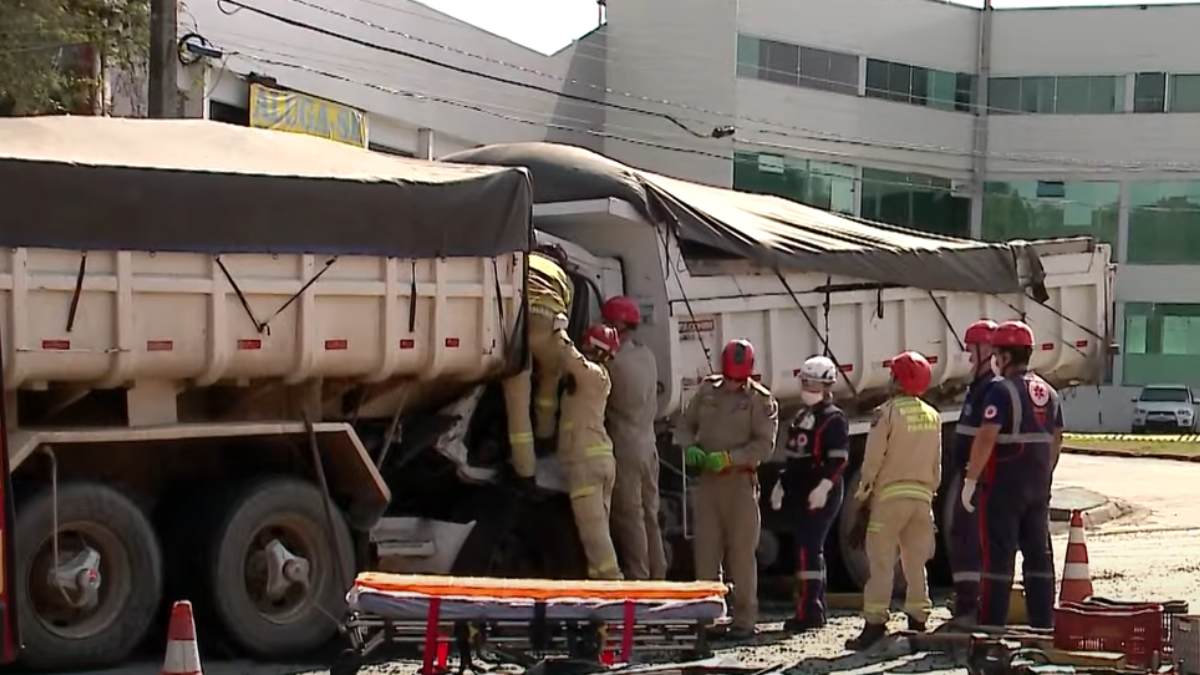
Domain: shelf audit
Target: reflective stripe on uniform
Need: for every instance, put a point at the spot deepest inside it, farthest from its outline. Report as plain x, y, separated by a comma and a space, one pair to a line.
585, 491
547, 402
521, 438
906, 490
966, 429
993, 576
598, 450
810, 575
838, 454
1067, 569
967, 577
874, 527
1031, 437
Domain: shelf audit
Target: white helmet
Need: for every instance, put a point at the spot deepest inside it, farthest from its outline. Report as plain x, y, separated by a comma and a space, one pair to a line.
818, 370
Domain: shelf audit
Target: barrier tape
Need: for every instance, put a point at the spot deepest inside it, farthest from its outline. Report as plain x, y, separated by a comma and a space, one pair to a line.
1134, 438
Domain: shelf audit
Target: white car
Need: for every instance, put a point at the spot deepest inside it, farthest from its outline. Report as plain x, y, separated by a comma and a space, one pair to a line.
1168, 407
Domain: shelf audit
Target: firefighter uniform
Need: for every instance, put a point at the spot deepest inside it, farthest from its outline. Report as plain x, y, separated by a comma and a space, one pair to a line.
740, 419
816, 449
964, 531
1014, 497
632, 406
549, 294
901, 472
586, 455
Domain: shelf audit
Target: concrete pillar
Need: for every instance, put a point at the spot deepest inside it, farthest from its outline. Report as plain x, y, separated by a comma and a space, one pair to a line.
1121, 253
425, 143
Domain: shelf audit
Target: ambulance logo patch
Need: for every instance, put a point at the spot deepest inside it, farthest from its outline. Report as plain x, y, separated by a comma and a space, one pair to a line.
1039, 392
990, 412
802, 440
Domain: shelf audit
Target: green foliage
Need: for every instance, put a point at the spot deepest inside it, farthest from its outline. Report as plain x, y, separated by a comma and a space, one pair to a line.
54, 53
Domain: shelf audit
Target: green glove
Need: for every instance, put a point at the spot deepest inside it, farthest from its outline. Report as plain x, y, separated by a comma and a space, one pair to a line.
694, 456
716, 462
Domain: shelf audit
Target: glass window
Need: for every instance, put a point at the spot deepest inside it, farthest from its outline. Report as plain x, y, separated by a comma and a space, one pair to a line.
914, 200
1162, 346
825, 185
877, 78
779, 62
1106, 94
1150, 92
1072, 96
1185, 93
747, 56
899, 86
1037, 94
1004, 95
830, 71
1164, 223
1047, 209
964, 92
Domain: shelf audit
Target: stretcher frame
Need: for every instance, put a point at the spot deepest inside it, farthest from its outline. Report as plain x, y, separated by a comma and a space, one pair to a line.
373, 637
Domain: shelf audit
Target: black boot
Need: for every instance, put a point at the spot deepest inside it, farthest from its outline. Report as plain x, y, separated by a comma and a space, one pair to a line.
872, 633
796, 625
915, 624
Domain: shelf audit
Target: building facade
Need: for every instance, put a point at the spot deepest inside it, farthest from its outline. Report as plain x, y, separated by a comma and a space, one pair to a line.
990, 124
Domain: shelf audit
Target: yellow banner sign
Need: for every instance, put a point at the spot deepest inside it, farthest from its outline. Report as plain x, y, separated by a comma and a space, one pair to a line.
303, 114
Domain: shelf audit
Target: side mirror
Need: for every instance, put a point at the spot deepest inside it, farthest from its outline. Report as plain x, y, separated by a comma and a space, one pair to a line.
1133, 400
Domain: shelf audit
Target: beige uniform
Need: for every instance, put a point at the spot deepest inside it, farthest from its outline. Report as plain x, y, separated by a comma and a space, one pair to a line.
632, 406
901, 471
549, 295
742, 421
586, 455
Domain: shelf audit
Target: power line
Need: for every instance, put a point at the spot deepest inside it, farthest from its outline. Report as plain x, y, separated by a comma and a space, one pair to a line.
806, 133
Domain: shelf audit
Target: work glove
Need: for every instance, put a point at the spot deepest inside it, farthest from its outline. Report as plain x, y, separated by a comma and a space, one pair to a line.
864, 491
694, 456
968, 495
777, 496
858, 533
716, 462
820, 495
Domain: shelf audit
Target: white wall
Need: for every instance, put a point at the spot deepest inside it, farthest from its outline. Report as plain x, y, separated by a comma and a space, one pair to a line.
393, 119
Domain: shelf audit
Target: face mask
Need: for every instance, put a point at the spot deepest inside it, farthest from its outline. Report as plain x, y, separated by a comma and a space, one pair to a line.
811, 398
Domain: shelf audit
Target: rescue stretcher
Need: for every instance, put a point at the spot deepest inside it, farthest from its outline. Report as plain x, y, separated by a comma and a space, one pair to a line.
523, 618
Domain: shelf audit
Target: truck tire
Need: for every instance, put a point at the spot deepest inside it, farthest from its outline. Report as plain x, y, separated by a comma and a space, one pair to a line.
266, 525
852, 560
103, 538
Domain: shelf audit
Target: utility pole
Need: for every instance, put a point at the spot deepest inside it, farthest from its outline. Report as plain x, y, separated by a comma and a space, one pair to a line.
979, 139
164, 85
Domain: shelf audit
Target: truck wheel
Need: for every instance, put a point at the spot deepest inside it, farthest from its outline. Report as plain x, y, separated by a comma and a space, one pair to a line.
95, 605
273, 578
853, 561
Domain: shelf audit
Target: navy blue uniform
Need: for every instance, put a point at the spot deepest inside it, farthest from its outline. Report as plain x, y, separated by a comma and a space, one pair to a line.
964, 531
817, 448
1014, 498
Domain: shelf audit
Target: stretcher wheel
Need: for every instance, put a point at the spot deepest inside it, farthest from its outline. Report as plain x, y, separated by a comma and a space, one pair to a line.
347, 663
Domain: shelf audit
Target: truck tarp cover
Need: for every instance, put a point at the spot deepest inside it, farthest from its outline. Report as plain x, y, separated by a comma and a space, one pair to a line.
192, 185
771, 231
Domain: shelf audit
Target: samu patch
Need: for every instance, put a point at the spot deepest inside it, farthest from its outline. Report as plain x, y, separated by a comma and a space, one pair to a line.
990, 412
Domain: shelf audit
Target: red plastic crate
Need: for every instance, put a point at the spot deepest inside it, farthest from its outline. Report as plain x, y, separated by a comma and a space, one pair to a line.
1171, 609
1136, 633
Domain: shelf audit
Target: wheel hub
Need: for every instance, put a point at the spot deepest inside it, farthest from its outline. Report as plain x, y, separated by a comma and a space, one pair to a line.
284, 570
78, 579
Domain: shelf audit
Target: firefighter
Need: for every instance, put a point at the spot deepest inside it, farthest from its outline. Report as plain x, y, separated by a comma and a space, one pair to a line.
901, 471
810, 487
632, 407
1012, 465
728, 428
548, 295
584, 448
964, 529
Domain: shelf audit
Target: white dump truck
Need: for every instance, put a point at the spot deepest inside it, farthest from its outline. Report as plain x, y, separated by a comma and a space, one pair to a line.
240, 365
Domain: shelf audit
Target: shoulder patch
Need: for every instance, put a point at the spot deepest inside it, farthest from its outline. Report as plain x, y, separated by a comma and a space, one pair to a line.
1039, 392
990, 412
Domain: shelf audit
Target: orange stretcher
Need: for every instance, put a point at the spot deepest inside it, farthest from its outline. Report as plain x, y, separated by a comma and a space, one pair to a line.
536, 616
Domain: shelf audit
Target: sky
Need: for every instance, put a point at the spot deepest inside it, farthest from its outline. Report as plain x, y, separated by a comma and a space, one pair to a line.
558, 22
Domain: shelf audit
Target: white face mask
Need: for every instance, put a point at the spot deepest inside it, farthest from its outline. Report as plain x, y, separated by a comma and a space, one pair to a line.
811, 398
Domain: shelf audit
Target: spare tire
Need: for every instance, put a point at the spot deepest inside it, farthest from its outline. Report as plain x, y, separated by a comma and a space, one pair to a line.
101, 603
273, 573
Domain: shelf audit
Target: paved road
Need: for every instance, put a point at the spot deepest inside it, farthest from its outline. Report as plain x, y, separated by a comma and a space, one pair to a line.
1154, 553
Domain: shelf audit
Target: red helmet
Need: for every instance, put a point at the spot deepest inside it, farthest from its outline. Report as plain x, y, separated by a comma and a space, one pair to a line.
980, 332
912, 372
737, 360
1013, 334
621, 309
603, 338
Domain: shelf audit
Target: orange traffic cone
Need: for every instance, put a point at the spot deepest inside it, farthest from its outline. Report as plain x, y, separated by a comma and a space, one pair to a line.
183, 654
1076, 578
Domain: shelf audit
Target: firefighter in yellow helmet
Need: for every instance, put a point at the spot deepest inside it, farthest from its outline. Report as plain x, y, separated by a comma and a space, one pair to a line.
728, 429
584, 448
549, 297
